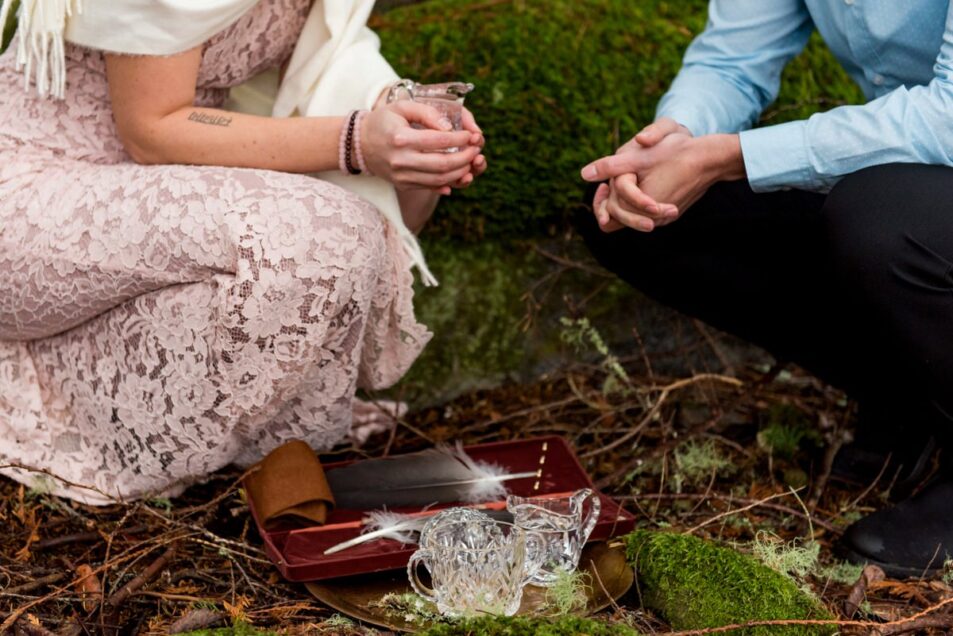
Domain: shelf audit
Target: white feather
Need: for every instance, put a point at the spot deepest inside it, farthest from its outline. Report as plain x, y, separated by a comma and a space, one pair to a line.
490, 477
384, 524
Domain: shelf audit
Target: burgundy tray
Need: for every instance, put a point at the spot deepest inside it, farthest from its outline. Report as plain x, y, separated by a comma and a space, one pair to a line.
299, 554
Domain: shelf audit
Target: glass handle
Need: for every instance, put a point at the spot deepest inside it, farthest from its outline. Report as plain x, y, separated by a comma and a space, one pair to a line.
421, 589
595, 507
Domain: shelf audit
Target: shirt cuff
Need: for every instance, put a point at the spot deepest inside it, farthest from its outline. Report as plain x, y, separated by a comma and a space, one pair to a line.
777, 157
692, 118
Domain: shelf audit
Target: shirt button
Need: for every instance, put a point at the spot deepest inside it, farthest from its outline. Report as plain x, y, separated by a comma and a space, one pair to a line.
848, 2
878, 80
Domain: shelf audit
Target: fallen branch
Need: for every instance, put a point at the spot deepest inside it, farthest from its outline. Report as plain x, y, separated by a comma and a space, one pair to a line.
663, 396
892, 628
35, 584
740, 500
120, 595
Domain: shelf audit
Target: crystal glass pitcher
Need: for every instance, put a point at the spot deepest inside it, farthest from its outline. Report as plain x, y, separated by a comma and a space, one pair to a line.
477, 566
564, 525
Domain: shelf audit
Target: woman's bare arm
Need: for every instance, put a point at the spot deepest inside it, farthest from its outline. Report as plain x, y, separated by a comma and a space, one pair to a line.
153, 97
152, 101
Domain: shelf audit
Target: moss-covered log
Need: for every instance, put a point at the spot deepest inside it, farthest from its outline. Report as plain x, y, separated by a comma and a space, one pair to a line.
695, 584
559, 83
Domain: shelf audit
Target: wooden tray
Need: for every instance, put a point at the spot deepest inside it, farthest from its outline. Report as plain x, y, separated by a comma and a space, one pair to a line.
299, 554
609, 577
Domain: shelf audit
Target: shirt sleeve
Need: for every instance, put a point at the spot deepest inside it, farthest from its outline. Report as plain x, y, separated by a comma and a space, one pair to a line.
732, 71
908, 125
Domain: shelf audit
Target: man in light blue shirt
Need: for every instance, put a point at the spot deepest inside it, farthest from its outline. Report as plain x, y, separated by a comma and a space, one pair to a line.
829, 241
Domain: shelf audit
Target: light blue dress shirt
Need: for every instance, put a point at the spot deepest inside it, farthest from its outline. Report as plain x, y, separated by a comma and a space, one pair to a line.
900, 52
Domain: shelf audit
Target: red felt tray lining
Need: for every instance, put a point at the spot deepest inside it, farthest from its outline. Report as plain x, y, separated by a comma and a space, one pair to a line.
299, 553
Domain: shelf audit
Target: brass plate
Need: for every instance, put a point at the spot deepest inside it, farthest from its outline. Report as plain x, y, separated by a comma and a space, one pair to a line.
355, 596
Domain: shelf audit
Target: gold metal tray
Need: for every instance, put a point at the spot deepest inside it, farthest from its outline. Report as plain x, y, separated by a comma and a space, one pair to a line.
609, 577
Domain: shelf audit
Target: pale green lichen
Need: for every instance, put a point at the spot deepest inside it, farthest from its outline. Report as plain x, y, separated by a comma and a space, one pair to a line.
697, 462
568, 593
796, 558
840, 572
411, 608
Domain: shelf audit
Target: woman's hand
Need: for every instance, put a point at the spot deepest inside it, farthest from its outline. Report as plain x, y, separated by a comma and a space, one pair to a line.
412, 158
478, 165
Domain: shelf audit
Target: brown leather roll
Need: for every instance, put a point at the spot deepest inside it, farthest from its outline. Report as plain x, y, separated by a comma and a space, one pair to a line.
289, 488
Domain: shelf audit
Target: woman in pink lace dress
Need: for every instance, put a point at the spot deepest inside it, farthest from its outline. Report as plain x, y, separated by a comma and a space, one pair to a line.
175, 295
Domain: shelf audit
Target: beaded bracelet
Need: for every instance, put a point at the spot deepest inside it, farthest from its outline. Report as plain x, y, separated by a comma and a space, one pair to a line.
342, 142
358, 149
346, 145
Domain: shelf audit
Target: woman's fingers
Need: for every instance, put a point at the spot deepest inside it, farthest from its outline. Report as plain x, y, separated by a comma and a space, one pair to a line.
436, 162
431, 140
427, 116
479, 165
414, 178
468, 121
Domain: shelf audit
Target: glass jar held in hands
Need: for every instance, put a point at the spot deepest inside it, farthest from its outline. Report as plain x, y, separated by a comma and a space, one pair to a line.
430, 141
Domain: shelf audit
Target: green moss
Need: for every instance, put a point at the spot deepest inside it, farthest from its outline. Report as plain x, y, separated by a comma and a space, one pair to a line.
475, 317
695, 584
787, 429
560, 83
517, 626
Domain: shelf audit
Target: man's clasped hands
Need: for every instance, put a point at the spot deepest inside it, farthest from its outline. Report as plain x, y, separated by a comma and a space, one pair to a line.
654, 178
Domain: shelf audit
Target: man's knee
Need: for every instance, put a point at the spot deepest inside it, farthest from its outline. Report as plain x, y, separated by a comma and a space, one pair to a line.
890, 224
864, 226
622, 252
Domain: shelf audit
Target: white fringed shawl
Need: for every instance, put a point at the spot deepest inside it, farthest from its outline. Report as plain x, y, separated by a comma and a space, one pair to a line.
336, 65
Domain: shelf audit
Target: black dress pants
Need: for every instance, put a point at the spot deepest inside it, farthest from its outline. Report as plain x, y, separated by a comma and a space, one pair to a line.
855, 286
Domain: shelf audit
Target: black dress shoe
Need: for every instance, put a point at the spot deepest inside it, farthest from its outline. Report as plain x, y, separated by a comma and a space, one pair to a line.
912, 539
903, 464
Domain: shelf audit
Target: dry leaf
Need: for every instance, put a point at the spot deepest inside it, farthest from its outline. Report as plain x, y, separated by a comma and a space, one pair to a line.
870, 575
88, 587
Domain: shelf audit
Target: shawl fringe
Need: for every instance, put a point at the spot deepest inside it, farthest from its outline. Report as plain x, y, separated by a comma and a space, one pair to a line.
41, 52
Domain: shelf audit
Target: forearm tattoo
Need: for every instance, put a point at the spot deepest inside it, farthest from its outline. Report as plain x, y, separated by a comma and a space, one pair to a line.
211, 120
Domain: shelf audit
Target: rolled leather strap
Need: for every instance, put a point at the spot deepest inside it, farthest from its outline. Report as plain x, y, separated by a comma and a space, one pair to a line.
289, 489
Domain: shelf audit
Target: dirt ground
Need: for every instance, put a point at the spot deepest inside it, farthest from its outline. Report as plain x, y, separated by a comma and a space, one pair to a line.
715, 454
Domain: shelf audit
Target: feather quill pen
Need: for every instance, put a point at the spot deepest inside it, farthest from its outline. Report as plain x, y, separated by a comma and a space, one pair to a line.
383, 524
440, 475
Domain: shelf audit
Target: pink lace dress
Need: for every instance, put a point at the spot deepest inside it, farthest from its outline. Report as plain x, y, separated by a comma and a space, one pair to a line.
160, 322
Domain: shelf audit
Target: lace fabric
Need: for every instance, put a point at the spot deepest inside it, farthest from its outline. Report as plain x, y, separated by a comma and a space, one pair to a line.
160, 322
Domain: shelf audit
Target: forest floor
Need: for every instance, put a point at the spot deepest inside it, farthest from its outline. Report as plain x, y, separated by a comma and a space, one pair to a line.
737, 454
